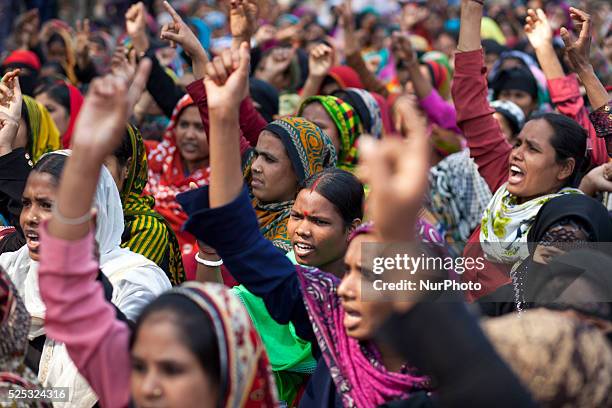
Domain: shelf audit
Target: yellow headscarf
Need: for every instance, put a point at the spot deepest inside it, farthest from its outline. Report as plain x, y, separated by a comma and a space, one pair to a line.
43, 136
490, 31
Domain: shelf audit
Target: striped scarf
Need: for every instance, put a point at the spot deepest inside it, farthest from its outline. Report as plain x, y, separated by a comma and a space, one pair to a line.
147, 232
349, 127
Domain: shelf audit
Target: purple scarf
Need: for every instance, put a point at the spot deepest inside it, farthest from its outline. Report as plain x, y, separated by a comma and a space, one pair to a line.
356, 368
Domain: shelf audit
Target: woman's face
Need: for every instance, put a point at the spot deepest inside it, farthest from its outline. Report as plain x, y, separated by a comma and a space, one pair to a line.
37, 201
523, 99
59, 114
191, 139
361, 318
56, 52
534, 170
274, 179
319, 236
316, 113
166, 373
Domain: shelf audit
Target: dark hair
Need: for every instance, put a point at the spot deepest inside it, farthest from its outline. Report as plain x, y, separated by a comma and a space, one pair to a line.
52, 164
56, 38
569, 141
195, 330
58, 91
340, 188
57, 67
124, 152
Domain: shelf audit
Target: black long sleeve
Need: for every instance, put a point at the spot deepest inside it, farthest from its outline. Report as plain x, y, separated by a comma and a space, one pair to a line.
161, 86
445, 341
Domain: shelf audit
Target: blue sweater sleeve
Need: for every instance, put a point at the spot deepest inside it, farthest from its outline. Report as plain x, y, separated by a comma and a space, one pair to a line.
233, 230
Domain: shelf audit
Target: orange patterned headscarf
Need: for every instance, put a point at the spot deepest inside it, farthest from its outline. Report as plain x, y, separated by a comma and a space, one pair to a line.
246, 374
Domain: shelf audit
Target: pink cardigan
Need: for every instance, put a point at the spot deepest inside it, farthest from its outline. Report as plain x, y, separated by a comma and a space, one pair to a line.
79, 316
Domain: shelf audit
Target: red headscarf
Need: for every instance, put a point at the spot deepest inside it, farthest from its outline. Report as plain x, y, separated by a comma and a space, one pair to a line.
23, 57
167, 179
346, 77
76, 101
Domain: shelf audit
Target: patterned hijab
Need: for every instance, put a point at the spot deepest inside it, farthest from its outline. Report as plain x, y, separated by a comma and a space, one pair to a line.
349, 127
310, 151
246, 375
43, 136
147, 232
167, 177
14, 327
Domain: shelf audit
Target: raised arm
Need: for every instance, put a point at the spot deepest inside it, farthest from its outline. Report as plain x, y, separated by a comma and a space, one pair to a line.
160, 85
14, 166
178, 32
68, 267
352, 51
578, 57
437, 109
485, 139
320, 61
10, 111
564, 90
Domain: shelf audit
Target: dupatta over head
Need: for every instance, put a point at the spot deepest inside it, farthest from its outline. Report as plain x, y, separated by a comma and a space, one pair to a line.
310, 151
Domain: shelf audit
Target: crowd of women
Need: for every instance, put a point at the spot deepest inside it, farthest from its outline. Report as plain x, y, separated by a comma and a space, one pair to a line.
190, 194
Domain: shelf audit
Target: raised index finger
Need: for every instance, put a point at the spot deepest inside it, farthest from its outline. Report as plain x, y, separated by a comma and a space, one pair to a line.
173, 13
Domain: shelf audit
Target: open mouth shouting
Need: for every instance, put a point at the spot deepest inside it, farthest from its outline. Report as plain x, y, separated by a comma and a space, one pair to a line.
32, 241
517, 175
352, 318
302, 249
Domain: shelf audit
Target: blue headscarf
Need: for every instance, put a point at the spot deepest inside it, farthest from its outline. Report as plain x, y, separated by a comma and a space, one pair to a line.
203, 33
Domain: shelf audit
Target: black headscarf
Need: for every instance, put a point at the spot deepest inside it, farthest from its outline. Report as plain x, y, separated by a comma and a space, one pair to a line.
517, 78
266, 97
580, 279
541, 285
588, 212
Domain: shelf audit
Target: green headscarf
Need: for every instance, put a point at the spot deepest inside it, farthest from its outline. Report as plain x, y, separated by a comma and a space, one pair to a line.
147, 232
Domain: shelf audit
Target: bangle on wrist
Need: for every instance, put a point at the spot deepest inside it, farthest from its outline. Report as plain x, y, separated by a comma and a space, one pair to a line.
70, 221
206, 262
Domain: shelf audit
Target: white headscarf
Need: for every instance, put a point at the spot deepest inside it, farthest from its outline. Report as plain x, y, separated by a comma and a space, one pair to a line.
136, 282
